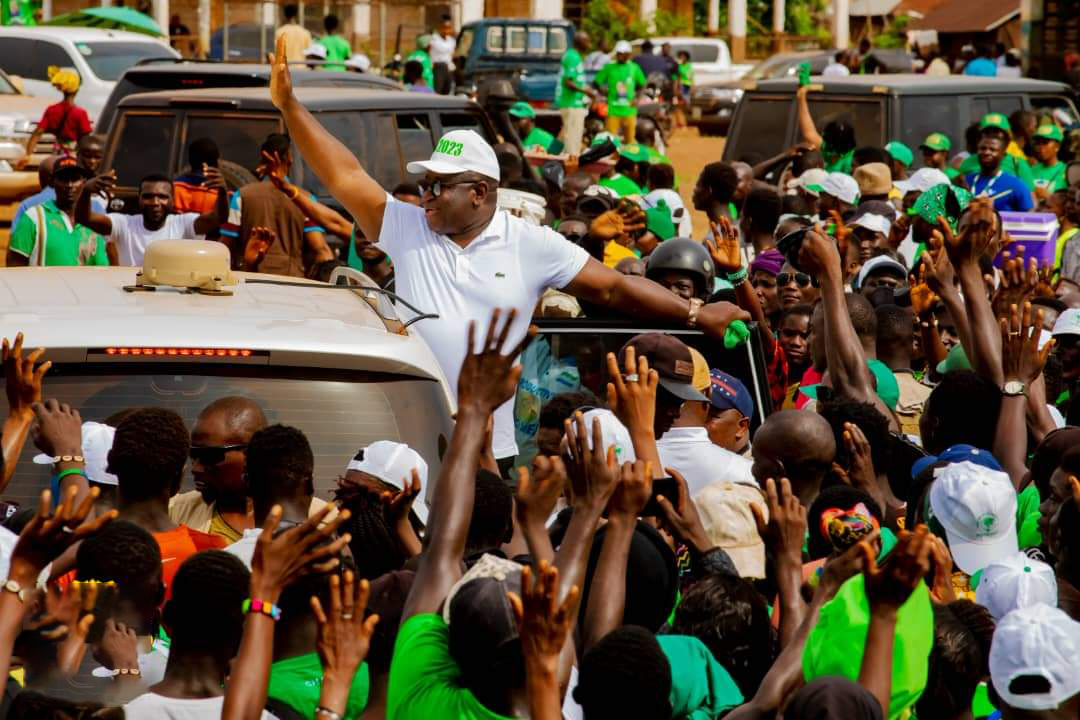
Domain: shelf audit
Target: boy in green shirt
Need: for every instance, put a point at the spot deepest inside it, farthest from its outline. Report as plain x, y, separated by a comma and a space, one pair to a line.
47, 235
624, 81
570, 94
1049, 172
337, 48
525, 125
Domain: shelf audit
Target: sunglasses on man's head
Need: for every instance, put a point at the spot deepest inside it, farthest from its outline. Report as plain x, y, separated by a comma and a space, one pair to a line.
212, 454
801, 279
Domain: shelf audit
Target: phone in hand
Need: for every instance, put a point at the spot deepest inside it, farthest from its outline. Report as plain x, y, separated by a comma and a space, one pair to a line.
669, 488
804, 74
790, 245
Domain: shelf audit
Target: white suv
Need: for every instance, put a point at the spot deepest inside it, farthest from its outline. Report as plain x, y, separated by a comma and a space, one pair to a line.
331, 360
99, 56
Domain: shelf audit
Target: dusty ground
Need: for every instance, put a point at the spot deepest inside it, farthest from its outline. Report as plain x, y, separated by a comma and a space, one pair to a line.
689, 153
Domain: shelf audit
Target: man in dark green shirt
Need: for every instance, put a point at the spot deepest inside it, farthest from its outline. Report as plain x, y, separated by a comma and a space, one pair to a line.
525, 125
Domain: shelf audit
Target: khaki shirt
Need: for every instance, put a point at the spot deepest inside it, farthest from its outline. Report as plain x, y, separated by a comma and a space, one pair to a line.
189, 509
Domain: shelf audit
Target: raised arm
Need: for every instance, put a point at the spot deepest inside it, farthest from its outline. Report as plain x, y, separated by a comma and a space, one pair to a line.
727, 258
84, 210
488, 378
807, 129
333, 163
210, 221
325, 217
23, 383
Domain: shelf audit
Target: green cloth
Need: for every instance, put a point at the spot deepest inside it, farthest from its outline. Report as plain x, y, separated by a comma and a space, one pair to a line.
425, 681
424, 59
838, 640
736, 334
980, 704
522, 109
622, 185
957, 359
538, 136
66, 244
933, 204
1027, 518
658, 221
623, 81
297, 681
686, 73
571, 68
835, 162
337, 52
701, 689
888, 390
1011, 164
1050, 177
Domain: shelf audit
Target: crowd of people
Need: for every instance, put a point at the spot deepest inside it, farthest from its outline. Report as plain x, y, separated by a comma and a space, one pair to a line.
897, 537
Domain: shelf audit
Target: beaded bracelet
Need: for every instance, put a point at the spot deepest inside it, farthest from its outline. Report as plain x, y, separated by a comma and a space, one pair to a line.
327, 713
736, 278
262, 607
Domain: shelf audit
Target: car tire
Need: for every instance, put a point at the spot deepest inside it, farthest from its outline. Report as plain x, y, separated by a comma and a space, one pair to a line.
236, 176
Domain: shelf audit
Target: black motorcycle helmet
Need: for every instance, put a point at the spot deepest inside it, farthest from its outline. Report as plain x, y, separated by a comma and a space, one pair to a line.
686, 256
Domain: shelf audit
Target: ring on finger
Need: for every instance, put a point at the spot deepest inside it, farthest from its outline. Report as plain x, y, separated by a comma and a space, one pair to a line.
346, 616
631, 377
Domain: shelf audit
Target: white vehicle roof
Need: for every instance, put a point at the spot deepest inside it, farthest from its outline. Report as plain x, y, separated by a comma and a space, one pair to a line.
77, 34
658, 41
78, 314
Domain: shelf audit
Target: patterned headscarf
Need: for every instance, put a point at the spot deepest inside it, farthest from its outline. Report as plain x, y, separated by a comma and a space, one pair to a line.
948, 201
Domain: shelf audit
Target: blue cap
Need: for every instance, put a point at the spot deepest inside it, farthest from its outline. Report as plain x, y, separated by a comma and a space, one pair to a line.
955, 454
728, 392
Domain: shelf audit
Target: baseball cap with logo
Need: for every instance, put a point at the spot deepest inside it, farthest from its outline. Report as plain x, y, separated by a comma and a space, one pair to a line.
976, 506
1015, 582
729, 393
459, 151
995, 121
68, 164
1068, 323
938, 142
672, 361
729, 523
522, 110
635, 152
1033, 658
900, 152
842, 187
1049, 131
612, 433
97, 440
955, 454
873, 179
393, 463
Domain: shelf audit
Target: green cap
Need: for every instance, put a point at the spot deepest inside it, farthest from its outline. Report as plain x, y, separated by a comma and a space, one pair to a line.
900, 152
888, 390
1049, 131
634, 151
605, 136
996, 120
957, 359
935, 203
838, 640
522, 110
658, 221
938, 142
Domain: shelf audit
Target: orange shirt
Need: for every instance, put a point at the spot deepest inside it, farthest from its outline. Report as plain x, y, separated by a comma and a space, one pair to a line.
177, 546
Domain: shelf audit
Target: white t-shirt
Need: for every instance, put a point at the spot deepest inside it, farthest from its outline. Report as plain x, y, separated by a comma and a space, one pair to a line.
152, 706
442, 49
509, 265
690, 452
131, 237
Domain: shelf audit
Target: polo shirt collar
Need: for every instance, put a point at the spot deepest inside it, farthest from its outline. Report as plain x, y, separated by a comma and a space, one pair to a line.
686, 435
51, 207
496, 230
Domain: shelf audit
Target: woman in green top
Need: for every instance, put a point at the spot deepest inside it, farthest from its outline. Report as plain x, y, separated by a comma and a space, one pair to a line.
1049, 172
837, 143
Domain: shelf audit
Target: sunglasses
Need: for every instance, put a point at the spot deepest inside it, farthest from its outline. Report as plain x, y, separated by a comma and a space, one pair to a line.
436, 187
212, 454
801, 279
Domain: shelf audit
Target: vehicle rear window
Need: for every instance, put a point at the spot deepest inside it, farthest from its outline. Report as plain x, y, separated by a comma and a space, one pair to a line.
922, 115
864, 115
237, 136
537, 40
762, 128
1061, 108
414, 133
1005, 104
462, 121
144, 146
699, 52
370, 137
109, 60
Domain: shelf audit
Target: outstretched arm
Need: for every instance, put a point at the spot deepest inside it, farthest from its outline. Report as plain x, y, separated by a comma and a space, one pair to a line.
210, 221
84, 211
807, 128
325, 217
333, 163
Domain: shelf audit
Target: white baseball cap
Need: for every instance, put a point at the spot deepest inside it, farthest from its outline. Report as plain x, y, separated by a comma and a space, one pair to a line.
315, 50
623, 47
922, 180
612, 432
873, 222
1014, 582
1038, 641
879, 263
1068, 323
360, 61
459, 151
811, 181
97, 440
729, 523
841, 186
977, 508
393, 463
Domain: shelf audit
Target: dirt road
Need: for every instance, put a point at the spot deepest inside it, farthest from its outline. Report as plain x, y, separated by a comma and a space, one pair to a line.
689, 153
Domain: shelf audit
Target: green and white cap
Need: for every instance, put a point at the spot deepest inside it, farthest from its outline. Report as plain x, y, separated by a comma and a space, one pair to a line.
459, 151
977, 508
938, 142
1048, 131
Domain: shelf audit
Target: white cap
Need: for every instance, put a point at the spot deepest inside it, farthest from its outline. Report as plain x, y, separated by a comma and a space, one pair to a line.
729, 523
360, 61
623, 47
810, 180
873, 222
841, 186
1015, 582
977, 508
1039, 641
393, 463
612, 432
97, 440
315, 50
459, 151
1068, 323
922, 180
877, 263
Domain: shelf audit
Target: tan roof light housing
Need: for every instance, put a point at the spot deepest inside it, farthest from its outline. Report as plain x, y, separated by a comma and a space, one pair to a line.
198, 265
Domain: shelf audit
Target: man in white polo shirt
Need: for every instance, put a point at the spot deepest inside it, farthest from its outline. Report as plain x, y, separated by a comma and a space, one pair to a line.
459, 256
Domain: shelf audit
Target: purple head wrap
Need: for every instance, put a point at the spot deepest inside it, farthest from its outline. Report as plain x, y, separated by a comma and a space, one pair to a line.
769, 261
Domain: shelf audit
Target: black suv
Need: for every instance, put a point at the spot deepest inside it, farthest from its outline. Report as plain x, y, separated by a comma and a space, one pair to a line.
883, 108
384, 129
167, 74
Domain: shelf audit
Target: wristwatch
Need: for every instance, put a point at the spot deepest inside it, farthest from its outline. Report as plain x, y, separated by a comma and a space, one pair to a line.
13, 587
1014, 388
695, 306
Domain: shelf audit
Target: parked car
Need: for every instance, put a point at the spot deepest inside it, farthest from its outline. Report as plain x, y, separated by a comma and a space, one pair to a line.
713, 104
180, 74
385, 129
335, 363
99, 56
883, 108
526, 51
710, 57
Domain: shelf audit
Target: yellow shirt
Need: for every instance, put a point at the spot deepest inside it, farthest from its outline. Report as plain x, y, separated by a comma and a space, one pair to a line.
1016, 151
297, 40
614, 252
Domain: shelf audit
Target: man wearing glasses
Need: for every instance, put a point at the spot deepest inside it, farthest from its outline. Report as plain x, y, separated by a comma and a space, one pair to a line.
459, 256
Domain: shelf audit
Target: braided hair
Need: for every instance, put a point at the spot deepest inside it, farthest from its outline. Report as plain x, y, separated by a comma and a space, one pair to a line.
374, 545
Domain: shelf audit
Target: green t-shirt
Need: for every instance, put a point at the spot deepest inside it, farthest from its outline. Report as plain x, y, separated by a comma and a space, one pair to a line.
1050, 177
837, 163
701, 688
424, 59
425, 682
538, 136
297, 681
1027, 518
1011, 164
66, 244
623, 81
622, 185
337, 52
686, 74
571, 68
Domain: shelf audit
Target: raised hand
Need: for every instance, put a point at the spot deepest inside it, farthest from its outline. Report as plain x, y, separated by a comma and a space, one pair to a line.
281, 91
819, 254
941, 590
258, 244
542, 622
618, 224
839, 569
909, 562
976, 232
713, 319
76, 613
118, 649
488, 378
682, 520
785, 529
1021, 358
633, 491
593, 472
940, 273
213, 178
344, 637
724, 246
272, 168
843, 232
103, 184
1016, 284
923, 298
632, 396
23, 380
861, 470
538, 492
58, 430
49, 533
295, 552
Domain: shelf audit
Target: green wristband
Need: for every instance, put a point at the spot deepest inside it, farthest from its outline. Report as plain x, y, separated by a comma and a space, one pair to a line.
736, 278
736, 334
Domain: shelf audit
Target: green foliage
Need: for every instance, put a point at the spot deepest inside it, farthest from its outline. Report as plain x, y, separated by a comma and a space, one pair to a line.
667, 23
895, 33
802, 17
608, 21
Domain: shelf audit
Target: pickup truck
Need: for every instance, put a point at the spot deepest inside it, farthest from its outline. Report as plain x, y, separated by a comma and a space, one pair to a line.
528, 52
710, 57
